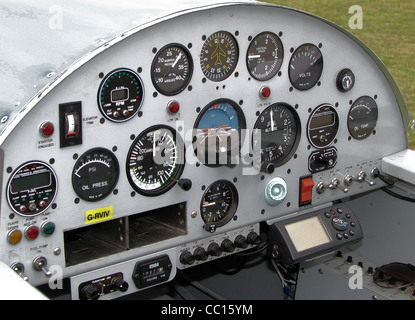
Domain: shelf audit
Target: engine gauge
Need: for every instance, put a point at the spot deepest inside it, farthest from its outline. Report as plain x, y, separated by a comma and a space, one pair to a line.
120, 95
155, 160
323, 126
32, 188
279, 127
219, 56
218, 132
172, 69
219, 203
362, 118
306, 67
265, 55
95, 174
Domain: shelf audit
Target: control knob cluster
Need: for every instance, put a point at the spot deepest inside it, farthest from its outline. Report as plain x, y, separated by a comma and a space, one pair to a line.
216, 250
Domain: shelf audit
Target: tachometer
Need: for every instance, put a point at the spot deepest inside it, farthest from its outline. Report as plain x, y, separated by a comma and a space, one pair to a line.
306, 67
172, 69
279, 128
219, 203
218, 132
95, 174
363, 116
219, 56
155, 161
120, 95
265, 55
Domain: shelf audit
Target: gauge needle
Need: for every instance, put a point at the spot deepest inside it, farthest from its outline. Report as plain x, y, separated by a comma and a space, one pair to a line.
154, 144
256, 56
272, 120
208, 204
177, 59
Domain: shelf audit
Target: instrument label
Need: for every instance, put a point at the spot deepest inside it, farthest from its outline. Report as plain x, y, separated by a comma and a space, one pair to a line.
98, 215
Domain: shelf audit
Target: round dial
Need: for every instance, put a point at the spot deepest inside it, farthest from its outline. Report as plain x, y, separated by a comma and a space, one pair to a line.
155, 160
172, 69
95, 174
219, 56
217, 132
219, 203
306, 67
363, 117
265, 56
120, 95
275, 137
31, 188
323, 126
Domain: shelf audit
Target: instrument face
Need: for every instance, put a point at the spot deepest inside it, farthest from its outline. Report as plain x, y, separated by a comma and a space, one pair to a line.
120, 95
218, 131
172, 69
277, 131
306, 67
265, 56
219, 56
155, 161
95, 174
363, 116
219, 203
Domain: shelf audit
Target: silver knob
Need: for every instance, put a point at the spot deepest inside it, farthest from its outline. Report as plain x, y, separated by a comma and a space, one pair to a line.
362, 176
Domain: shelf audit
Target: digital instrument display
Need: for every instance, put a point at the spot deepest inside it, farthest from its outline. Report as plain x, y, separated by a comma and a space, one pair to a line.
29, 182
308, 233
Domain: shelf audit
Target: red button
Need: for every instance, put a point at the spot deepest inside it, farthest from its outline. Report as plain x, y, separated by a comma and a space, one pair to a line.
265, 92
173, 107
306, 190
31, 232
46, 129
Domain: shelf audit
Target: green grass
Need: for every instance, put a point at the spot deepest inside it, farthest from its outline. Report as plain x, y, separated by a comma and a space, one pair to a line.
388, 29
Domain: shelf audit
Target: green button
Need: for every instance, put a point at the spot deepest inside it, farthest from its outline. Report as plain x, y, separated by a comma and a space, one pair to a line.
48, 228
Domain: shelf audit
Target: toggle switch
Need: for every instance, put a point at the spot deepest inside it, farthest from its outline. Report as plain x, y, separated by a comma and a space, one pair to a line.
306, 190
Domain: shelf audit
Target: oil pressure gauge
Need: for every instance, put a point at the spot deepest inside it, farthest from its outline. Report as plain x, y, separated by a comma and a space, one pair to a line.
95, 174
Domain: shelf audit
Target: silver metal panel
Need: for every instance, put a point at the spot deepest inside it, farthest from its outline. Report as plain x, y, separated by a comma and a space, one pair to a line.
134, 49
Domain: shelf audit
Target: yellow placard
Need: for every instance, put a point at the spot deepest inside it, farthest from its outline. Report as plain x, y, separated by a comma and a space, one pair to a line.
98, 215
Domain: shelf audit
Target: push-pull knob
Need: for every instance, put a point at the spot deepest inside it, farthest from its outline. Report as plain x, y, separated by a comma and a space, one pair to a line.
335, 184
40, 264
18, 267
362, 176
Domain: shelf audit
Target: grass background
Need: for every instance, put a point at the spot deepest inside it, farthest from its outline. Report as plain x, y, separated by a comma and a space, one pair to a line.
388, 29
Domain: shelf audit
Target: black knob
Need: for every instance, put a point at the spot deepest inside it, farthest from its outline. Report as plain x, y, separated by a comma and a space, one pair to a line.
90, 292
369, 271
187, 258
227, 246
214, 249
200, 254
268, 167
241, 242
119, 284
185, 184
253, 238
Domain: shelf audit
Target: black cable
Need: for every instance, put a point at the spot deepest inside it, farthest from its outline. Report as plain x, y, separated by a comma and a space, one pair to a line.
399, 196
